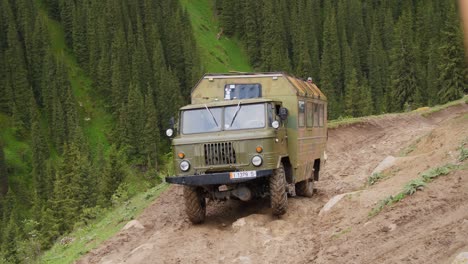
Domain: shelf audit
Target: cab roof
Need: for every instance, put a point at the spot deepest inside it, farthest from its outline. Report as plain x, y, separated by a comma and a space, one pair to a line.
302, 87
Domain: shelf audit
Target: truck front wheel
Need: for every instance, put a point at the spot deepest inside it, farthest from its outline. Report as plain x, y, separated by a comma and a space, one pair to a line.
278, 195
195, 204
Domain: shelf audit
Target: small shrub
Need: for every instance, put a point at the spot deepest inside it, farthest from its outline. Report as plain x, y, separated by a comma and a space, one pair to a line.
413, 186
121, 195
374, 178
434, 173
463, 151
380, 205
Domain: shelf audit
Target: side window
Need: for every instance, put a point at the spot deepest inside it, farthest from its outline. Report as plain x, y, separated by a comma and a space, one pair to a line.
301, 116
310, 114
322, 114
270, 109
316, 115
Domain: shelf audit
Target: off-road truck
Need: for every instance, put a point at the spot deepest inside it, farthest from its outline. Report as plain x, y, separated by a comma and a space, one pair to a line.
249, 135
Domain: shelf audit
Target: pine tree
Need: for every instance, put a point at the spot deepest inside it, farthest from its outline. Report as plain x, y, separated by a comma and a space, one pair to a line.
10, 239
79, 37
3, 173
433, 85
251, 29
274, 50
330, 69
120, 70
351, 95
40, 153
403, 67
151, 133
66, 17
136, 119
365, 104
168, 100
228, 17
453, 69
70, 114
16, 71
378, 71
114, 173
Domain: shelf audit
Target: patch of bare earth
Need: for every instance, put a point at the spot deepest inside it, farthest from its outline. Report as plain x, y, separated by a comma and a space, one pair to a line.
430, 226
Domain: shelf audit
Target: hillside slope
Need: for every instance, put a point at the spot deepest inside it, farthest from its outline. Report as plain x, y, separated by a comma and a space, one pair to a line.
423, 228
218, 54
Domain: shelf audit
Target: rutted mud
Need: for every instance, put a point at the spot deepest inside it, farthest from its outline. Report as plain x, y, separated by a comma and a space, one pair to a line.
428, 227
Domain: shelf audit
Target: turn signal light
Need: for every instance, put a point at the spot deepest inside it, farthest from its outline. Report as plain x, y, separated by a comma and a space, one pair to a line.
259, 149
181, 155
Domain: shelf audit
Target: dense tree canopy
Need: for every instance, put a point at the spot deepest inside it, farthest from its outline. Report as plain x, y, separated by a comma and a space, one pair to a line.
140, 60
407, 53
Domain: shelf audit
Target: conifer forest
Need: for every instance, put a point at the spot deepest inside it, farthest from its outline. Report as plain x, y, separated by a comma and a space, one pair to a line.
87, 88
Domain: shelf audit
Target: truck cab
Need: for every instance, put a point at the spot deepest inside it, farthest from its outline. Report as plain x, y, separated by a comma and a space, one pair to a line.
239, 140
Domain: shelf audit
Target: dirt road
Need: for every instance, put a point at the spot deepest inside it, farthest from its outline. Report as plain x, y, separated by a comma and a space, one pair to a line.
430, 226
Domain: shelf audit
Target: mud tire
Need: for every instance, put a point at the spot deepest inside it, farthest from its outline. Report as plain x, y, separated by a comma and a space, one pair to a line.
195, 204
305, 188
278, 194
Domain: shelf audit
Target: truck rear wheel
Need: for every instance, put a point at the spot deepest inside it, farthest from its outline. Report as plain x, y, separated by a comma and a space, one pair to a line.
305, 188
278, 195
195, 204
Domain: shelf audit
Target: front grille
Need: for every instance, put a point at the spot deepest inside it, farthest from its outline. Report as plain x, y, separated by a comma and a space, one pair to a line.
219, 153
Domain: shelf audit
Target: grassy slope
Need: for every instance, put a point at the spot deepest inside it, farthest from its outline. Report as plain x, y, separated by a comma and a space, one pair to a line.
108, 223
221, 55
89, 106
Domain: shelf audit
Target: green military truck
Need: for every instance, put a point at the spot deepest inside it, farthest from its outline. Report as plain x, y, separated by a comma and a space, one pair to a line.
249, 135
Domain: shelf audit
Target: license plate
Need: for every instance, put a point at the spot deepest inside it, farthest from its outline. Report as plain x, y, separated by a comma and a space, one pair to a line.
242, 174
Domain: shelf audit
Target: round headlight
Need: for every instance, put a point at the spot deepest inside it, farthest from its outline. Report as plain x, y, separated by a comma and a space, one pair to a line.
257, 161
169, 132
275, 124
184, 165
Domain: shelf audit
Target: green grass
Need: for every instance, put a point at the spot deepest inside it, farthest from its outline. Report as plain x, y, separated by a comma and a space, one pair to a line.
463, 150
438, 108
375, 177
345, 121
413, 186
223, 55
84, 239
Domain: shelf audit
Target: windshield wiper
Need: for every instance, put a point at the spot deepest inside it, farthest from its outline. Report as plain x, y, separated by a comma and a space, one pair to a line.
214, 119
235, 114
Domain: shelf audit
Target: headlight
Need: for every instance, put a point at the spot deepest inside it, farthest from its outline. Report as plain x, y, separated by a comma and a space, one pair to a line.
257, 161
184, 165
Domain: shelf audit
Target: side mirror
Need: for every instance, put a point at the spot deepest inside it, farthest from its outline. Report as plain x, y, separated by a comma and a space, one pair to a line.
283, 113
170, 130
171, 122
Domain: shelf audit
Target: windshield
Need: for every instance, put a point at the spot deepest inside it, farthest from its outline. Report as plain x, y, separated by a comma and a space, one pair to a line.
201, 120
235, 117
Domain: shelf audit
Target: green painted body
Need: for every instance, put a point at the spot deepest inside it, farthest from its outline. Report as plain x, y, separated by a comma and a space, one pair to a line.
301, 147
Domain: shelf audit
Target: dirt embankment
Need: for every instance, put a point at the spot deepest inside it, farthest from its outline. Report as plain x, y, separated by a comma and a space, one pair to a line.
428, 227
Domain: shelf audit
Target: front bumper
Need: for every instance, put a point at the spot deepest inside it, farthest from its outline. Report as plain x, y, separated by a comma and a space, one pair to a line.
213, 178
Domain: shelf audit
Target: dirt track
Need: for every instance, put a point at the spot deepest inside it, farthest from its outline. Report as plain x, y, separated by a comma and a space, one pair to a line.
428, 227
